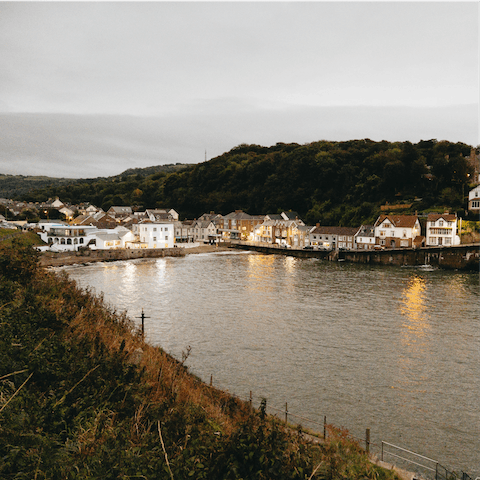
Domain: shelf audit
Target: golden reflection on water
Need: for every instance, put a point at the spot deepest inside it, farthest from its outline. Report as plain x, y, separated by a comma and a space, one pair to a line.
261, 271
414, 308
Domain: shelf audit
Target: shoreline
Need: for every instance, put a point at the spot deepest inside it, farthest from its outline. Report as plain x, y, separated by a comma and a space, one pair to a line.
62, 259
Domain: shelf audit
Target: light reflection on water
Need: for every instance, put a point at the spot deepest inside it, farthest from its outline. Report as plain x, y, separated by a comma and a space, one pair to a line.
396, 350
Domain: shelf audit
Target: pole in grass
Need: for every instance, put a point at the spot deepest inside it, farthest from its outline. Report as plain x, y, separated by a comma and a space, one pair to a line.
143, 317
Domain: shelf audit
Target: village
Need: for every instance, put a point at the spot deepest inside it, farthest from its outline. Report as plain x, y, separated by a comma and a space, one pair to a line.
124, 227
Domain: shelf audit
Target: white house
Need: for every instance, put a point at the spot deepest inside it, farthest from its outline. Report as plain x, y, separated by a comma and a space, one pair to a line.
62, 238
110, 238
156, 235
161, 215
397, 231
441, 229
203, 231
474, 200
365, 238
333, 238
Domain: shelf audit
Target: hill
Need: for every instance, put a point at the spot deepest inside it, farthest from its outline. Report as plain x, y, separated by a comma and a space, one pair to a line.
18, 187
83, 396
336, 183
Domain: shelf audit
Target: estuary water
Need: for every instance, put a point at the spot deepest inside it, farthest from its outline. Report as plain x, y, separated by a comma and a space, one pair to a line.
396, 350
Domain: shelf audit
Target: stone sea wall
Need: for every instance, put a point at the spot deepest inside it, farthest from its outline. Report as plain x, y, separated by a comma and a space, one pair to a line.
54, 259
461, 257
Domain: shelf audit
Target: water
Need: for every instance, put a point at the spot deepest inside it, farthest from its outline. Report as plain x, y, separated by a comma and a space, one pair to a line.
396, 350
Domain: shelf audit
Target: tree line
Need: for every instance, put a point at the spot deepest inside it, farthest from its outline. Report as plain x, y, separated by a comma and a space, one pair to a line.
336, 183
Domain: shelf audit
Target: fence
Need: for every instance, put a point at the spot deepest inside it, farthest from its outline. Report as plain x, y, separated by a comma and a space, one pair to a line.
429, 468
423, 467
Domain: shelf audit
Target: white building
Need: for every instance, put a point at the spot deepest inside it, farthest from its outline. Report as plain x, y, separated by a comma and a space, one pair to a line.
203, 231
156, 235
365, 238
111, 238
397, 231
63, 238
441, 230
474, 200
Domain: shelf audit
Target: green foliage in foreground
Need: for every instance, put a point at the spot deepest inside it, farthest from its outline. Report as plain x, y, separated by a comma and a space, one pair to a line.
72, 406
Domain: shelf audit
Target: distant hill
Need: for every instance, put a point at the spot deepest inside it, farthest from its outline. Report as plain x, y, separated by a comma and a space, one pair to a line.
17, 187
145, 172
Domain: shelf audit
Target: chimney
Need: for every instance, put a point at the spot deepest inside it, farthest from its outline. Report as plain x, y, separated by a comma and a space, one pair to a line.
317, 225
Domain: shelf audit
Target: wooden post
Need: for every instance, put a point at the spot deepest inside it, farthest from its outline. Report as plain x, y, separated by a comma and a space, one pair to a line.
367, 440
325, 427
286, 413
250, 400
211, 380
143, 317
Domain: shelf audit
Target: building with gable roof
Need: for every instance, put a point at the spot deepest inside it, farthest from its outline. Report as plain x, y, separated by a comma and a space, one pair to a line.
365, 238
441, 230
119, 212
396, 231
238, 225
474, 200
162, 215
333, 238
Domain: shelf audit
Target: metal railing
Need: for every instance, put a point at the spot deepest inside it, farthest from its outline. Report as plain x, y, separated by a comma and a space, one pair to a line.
429, 469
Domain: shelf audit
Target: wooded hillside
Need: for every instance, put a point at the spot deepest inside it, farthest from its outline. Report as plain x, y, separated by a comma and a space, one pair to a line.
336, 183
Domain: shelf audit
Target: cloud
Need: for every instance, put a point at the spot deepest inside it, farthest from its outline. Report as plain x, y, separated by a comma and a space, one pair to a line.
87, 146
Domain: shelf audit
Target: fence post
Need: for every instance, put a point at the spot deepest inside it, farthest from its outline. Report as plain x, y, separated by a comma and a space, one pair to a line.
367, 440
382, 450
250, 400
286, 413
211, 380
325, 427
436, 471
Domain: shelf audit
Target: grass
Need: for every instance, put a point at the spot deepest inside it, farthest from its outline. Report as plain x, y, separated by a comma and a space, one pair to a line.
21, 238
82, 396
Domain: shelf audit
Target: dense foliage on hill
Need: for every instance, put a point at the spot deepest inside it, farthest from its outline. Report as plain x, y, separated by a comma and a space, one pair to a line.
336, 183
80, 400
19, 187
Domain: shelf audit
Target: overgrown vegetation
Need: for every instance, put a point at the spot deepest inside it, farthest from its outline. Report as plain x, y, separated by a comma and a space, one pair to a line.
8, 236
336, 183
83, 397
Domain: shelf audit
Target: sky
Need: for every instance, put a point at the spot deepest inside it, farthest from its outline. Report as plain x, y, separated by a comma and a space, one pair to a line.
90, 89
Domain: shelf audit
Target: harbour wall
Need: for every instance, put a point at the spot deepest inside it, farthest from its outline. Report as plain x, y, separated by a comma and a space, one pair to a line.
460, 257
54, 259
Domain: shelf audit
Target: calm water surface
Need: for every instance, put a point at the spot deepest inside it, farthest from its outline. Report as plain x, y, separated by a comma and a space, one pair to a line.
396, 350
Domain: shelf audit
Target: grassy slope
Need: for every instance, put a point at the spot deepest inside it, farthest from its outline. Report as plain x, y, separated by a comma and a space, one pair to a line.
82, 396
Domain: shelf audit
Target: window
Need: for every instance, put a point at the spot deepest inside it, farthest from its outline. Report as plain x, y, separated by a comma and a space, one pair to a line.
392, 233
440, 223
155, 229
382, 233
154, 239
166, 237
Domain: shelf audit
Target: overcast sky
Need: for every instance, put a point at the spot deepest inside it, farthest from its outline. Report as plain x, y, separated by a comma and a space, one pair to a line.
90, 89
